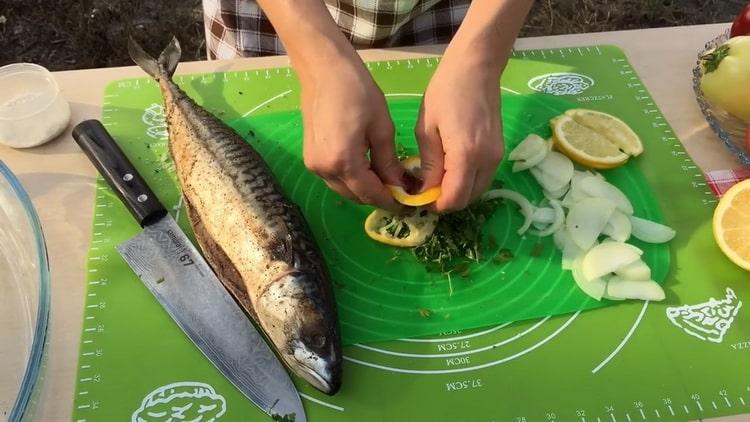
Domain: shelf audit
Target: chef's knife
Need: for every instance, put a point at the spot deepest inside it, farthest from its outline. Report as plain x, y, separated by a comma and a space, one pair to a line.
183, 283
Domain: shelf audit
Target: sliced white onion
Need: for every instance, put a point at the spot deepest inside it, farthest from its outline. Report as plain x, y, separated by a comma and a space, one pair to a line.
534, 160
560, 237
618, 227
592, 287
651, 232
574, 195
638, 270
577, 176
586, 220
556, 194
554, 172
529, 147
557, 222
606, 294
596, 187
530, 152
570, 251
526, 208
607, 258
543, 215
634, 289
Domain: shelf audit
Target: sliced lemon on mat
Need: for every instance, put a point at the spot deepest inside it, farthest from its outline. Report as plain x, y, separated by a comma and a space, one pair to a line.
401, 230
594, 139
731, 224
413, 166
414, 200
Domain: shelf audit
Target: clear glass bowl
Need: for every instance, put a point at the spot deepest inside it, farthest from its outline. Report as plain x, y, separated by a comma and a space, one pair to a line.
730, 129
24, 300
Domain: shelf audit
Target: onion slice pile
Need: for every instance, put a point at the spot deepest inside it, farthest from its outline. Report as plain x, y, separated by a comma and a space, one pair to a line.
591, 221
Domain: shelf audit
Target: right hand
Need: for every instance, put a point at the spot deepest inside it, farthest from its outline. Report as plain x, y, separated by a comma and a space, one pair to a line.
345, 117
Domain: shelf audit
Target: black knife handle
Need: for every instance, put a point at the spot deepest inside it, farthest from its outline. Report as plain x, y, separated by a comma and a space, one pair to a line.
118, 171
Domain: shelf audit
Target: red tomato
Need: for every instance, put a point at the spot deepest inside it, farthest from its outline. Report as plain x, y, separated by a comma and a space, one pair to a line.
741, 25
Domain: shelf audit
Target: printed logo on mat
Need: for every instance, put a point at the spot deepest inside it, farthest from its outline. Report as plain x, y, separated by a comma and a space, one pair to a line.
181, 401
709, 321
156, 122
565, 83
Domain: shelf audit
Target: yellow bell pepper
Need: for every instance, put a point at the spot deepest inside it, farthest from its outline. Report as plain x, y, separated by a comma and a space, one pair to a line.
725, 79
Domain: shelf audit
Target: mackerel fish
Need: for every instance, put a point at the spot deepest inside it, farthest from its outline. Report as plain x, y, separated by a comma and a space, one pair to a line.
254, 238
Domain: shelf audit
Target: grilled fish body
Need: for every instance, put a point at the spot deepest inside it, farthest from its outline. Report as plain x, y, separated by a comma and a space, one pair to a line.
256, 240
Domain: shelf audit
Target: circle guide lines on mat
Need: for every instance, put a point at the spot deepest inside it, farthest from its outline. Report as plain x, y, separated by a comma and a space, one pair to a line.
445, 339
624, 340
266, 102
321, 402
449, 355
471, 368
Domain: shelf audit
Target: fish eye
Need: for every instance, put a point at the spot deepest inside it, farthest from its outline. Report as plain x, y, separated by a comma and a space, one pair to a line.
319, 341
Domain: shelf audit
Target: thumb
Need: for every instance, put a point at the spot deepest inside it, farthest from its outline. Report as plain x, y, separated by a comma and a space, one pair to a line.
382, 150
430, 151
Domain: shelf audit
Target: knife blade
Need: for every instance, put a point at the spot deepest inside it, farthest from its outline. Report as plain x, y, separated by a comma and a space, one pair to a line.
183, 283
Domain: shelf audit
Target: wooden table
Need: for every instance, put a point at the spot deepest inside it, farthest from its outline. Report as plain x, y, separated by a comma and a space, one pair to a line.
60, 180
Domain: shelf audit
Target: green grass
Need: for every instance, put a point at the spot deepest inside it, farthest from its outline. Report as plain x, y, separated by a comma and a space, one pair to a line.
77, 34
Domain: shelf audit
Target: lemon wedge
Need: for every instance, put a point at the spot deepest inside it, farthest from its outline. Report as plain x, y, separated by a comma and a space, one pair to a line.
595, 139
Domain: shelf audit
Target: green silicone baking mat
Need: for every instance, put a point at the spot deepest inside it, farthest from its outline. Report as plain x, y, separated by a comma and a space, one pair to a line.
513, 341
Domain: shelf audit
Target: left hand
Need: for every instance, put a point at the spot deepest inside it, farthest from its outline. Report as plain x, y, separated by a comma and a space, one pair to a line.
459, 131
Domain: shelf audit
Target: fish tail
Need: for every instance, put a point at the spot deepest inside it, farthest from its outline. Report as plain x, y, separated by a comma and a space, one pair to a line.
165, 65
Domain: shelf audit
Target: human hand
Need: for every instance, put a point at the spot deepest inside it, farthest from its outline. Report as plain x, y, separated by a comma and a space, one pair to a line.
345, 117
459, 131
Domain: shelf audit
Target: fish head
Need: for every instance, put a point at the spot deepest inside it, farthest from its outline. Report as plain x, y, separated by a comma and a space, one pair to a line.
298, 314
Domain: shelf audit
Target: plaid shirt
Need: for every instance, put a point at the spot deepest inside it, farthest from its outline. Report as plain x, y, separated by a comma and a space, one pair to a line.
240, 28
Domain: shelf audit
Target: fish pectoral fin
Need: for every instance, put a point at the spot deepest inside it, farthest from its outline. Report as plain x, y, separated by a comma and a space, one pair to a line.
282, 247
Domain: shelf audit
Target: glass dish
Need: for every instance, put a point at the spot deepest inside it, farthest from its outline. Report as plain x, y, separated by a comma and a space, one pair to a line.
730, 129
32, 108
24, 300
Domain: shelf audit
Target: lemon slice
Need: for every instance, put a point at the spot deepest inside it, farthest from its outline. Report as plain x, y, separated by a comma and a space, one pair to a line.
617, 131
594, 139
731, 224
401, 230
413, 165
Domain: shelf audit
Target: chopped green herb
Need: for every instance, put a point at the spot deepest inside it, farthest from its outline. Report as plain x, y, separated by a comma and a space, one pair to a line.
538, 248
396, 256
401, 152
492, 242
457, 240
286, 418
396, 227
503, 255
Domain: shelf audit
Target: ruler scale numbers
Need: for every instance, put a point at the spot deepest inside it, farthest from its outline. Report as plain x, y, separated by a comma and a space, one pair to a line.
488, 368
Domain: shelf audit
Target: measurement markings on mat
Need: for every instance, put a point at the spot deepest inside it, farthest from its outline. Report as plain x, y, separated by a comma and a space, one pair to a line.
89, 377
